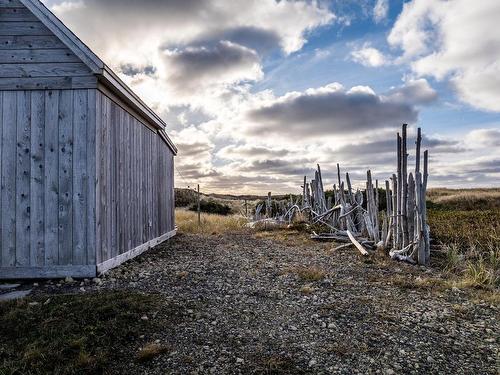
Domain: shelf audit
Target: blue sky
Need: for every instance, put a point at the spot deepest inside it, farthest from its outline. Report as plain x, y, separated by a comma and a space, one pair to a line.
256, 92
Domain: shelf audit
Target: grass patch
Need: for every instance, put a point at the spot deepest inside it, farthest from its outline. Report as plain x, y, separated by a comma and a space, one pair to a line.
309, 273
150, 351
187, 221
72, 334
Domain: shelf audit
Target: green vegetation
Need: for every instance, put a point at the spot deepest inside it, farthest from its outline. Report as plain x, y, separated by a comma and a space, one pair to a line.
212, 207
466, 224
71, 334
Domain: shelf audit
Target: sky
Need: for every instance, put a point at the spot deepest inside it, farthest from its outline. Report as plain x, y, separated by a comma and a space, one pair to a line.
255, 93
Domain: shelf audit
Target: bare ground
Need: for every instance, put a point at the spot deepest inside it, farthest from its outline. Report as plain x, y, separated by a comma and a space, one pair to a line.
252, 303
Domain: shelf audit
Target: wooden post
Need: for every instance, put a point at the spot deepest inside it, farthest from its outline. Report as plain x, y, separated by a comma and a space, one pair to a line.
199, 211
424, 210
400, 195
338, 173
394, 209
268, 206
349, 188
417, 153
246, 208
404, 180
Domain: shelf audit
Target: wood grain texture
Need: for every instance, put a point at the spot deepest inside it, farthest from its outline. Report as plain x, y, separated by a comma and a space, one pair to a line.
17, 14
23, 169
135, 190
66, 142
32, 42
33, 56
37, 180
9, 135
51, 186
23, 28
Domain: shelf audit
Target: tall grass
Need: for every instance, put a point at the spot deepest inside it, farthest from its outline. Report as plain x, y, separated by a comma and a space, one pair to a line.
187, 222
466, 223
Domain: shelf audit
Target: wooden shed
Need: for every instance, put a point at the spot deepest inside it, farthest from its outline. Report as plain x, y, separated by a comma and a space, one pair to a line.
86, 167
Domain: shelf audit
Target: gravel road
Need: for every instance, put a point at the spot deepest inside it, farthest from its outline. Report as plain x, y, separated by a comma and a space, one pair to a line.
249, 303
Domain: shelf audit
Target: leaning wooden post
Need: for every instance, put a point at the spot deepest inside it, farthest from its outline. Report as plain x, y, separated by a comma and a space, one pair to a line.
394, 209
404, 180
398, 238
199, 211
424, 210
417, 152
268, 206
411, 207
338, 173
304, 195
349, 188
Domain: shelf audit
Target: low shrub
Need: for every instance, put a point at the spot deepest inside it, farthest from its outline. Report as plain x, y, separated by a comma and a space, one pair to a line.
212, 207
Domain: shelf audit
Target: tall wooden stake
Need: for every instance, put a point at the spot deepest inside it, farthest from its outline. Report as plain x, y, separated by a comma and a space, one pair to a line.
199, 211
404, 180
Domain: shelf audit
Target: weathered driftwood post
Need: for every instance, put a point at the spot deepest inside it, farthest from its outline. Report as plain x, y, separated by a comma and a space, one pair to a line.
198, 206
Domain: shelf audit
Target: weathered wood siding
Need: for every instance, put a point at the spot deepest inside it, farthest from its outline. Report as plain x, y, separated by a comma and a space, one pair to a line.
134, 182
32, 57
48, 173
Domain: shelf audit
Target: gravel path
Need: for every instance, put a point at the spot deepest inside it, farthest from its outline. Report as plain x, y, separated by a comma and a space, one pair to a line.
242, 303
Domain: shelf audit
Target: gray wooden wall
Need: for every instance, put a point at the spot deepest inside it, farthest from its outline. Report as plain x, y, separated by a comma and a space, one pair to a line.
135, 182
47, 197
32, 57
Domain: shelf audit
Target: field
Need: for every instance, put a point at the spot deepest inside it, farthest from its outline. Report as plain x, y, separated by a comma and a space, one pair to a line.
223, 298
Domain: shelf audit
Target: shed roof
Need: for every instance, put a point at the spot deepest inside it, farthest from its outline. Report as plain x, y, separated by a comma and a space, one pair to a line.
103, 72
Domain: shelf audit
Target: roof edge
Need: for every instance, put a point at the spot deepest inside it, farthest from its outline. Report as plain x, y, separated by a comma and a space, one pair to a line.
163, 135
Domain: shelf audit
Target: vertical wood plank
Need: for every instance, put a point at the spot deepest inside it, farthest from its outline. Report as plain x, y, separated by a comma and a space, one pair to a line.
127, 153
92, 157
9, 120
1, 179
100, 191
23, 170
51, 177
80, 178
121, 184
37, 181
114, 179
66, 142
109, 206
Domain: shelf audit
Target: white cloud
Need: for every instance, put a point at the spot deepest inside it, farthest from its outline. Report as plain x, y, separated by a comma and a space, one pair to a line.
380, 10
454, 40
369, 56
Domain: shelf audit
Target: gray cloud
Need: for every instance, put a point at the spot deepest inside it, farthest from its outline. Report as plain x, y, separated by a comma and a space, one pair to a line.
133, 70
320, 113
225, 62
255, 38
414, 92
242, 152
279, 167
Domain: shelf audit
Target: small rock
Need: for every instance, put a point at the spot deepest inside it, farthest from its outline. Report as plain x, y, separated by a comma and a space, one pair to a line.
82, 289
239, 360
47, 302
35, 284
293, 328
144, 317
312, 362
33, 303
389, 371
69, 280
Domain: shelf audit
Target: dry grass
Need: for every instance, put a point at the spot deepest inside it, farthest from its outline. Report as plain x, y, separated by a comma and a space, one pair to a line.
187, 222
307, 289
310, 273
151, 351
465, 199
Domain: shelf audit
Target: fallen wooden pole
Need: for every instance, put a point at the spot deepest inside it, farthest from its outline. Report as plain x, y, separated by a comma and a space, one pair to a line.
357, 244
